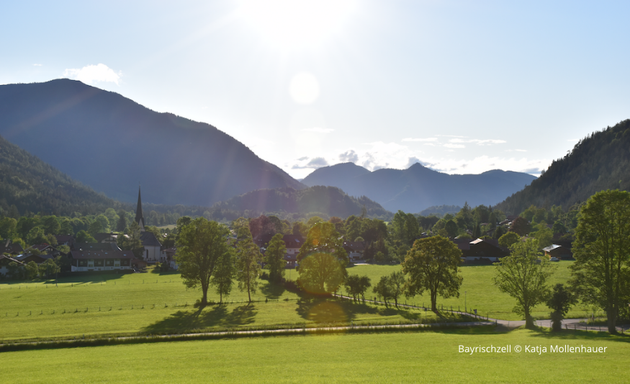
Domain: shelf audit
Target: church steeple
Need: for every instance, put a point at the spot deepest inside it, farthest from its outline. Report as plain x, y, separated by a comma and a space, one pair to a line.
139, 215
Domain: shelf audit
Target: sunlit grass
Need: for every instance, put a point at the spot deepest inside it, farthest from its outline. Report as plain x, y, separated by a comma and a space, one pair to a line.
428, 357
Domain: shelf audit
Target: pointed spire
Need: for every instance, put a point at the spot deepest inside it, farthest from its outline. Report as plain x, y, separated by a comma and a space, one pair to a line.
139, 215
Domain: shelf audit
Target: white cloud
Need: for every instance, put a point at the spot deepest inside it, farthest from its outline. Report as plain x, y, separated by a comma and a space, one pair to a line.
94, 73
318, 130
349, 156
454, 146
314, 163
37, 65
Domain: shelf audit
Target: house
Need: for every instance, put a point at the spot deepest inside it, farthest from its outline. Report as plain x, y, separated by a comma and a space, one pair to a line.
558, 251
5, 261
88, 260
106, 237
293, 243
9, 248
481, 250
355, 249
65, 240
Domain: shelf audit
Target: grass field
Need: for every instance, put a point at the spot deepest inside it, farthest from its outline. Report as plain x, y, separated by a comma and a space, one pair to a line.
479, 292
155, 304
150, 303
428, 357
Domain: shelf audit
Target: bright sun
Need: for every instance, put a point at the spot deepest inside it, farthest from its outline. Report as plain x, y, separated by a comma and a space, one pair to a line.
290, 24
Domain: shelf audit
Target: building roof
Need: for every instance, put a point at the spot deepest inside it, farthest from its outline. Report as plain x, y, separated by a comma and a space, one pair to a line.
149, 240
139, 215
65, 239
8, 259
90, 254
105, 236
551, 247
96, 247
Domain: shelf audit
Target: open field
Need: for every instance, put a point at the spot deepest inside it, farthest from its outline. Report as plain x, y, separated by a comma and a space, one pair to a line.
431, 357
152, 303
479, 292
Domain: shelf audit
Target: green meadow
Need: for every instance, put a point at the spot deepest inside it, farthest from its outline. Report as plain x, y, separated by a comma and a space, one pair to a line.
479, 292
393, 357
150, 303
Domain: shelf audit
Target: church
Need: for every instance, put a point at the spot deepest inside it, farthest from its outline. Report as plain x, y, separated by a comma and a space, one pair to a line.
153, 252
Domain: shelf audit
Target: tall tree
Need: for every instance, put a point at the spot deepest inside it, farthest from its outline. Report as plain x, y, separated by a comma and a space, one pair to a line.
432, 265
200, 246
357, 285
223, 275
524, 275
248, 258
601, 273
560, 301
322, 260
274, 257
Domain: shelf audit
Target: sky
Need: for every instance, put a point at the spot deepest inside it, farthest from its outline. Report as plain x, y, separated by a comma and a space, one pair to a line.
462, 87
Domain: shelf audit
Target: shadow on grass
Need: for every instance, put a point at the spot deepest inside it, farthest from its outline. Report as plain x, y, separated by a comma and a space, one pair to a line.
330, 310
272, 291
218, 316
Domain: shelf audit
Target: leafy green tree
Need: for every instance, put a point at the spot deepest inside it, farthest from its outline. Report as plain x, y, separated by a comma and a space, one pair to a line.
7, 228
508, 239
397, 283
49, 268
560, 302
36, 236
299, 229
524, 275
544, 235
601, 272
200, 246
451, 228
357, 286
274, 257
322, 260
384, 289
95, 227
65, 227
32, 270
24, 226
50, 225
520, 226
248, 258
225, 270
432, 265
121, 223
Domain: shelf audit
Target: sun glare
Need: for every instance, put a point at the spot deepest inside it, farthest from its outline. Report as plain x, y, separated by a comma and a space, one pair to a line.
290, 24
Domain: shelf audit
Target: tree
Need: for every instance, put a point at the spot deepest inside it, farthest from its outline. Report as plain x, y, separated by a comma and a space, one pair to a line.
397, 283
357, 285
560, 301
132, 241
84, 237
451, 228
48, 268
247, 268
121, 224
200, 246
274, 257
32, 270
523, 275
384, 289
223, 275
601, 274
520, 226
508, 239
322, 260
432, 265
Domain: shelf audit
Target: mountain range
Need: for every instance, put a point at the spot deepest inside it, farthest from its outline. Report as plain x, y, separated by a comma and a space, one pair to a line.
598, 162
112, 144
418, 187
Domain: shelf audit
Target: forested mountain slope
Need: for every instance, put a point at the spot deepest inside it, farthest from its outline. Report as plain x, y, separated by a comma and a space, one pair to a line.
598, 162
329, 201
111, 144
32, 185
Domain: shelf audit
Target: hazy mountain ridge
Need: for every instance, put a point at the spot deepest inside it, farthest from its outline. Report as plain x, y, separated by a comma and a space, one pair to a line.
417, 188
330, 201
112, 143
598, 162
